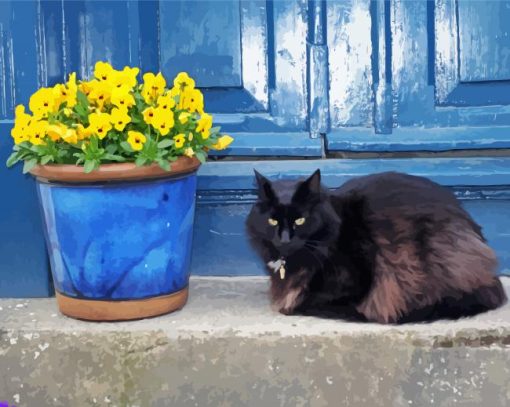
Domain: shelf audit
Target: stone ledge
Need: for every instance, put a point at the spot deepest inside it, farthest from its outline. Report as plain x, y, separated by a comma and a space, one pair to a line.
226, 347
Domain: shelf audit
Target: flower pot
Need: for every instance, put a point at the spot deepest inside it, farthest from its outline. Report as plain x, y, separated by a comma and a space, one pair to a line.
119, 238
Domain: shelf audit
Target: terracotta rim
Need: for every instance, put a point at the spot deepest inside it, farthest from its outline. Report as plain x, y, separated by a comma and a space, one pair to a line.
113, 172
99, 310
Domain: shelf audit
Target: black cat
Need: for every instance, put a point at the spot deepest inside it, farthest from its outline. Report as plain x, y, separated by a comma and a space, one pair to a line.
387, 248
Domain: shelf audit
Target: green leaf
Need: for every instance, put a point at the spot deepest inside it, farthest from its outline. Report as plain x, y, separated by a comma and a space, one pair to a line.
201, 156
165, 143
13, 159
46, 159
90, 165
29, 164
172, 159
82, 99
126, 146
141, 160
111, 148
215, 130
163, 164
114, 157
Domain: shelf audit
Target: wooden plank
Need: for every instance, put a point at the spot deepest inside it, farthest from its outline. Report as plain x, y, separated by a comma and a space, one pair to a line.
203, 39
50, 41
419, 139
6, 62
238, 175
272, 144
350, 67
289, 96
254, 49
484, 40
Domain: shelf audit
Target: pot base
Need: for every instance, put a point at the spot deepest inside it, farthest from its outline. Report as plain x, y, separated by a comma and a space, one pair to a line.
100, 310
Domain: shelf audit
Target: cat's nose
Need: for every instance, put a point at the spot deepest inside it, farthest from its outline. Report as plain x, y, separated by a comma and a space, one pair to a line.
285, 237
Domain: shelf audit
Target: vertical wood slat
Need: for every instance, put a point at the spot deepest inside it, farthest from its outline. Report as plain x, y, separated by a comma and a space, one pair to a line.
6, 63
350, 67
254, 50
318, 70
383, 114
289, 99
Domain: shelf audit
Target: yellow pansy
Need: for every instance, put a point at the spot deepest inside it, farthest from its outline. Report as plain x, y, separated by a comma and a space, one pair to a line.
121, 97
163, 121
183, 117
183, 82
153, 86
189, 152
222, 143
66, 93
148, 115
56, 131
84, 132
100, 94
87, 87
204, 125
37, 132
103, 71
192, 100
166, 102
136, 140
100, 123
125, 78
70, 136
42, 102
179, 140
120, 118
21, 122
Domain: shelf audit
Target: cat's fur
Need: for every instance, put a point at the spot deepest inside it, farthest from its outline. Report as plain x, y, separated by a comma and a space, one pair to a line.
387, 248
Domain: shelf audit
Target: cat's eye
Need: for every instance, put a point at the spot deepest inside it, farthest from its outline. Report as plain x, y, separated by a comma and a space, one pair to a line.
272, 222
300, 221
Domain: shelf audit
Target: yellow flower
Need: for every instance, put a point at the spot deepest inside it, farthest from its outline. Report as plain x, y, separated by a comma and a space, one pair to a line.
70, 136
66, 93
84, 132
153, 86
22, 120
42, 102
148, 115
189, 152
100, 94
192, 100
163, 120
103, 71
183, 117
37, 132
120, 118
222, 143
56, 131
166, 102
100, 124
87, 87
136, 140
179, 140
124, 78
183, 82
204, 125
190, 136
122, 98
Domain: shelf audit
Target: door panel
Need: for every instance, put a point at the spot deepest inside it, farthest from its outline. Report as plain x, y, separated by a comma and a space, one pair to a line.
484, 40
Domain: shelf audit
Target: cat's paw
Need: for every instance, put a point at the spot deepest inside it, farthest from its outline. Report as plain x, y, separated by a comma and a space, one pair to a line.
288, 302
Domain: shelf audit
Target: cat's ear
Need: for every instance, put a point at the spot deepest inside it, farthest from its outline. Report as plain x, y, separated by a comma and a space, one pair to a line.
266, 192
309, 188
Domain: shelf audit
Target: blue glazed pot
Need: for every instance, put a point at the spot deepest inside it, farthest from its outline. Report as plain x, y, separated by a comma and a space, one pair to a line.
119, 249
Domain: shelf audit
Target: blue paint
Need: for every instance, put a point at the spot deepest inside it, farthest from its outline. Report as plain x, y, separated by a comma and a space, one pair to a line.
419, 139
238, 175
24, 268
50, 42
119, 241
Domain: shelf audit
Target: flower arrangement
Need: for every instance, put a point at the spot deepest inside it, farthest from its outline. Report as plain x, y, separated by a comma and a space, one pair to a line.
113, 118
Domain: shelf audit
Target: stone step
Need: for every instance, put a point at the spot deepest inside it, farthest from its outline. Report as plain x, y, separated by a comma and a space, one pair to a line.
227, 348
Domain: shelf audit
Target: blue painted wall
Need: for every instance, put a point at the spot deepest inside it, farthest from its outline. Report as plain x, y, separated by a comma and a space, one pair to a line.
292, 81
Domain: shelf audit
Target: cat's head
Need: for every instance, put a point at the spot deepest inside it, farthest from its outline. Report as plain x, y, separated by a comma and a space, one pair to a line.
292, 214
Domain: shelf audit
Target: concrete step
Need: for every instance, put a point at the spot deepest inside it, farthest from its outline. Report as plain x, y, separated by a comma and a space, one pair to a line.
227, 348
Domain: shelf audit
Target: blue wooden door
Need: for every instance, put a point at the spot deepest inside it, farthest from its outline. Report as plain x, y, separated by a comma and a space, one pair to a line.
418, 75
287, 78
